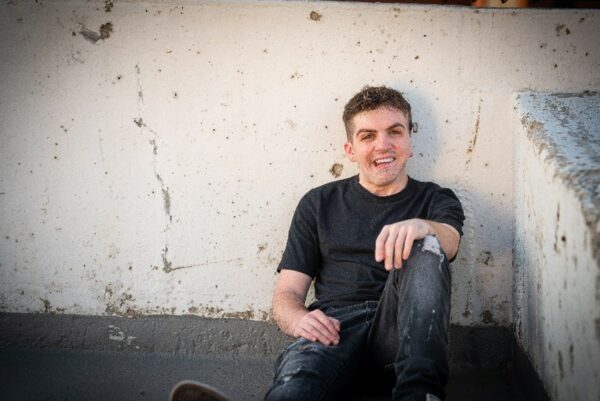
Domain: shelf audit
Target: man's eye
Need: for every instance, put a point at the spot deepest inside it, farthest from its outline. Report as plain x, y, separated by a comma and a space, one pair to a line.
396, 132
367, 137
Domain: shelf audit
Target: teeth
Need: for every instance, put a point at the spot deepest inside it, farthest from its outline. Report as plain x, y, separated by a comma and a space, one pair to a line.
386, 160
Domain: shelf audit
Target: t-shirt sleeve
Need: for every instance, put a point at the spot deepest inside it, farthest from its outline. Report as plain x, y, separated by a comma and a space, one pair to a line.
302, 252
446, 208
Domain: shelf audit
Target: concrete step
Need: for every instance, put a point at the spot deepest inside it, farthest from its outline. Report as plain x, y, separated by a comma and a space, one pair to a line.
53, 374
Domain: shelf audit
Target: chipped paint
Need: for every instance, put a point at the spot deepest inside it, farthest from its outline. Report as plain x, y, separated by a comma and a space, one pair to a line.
116, 334
315, 16
336, 169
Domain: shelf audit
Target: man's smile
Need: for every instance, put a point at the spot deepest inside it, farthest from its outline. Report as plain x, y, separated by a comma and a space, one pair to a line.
384, 160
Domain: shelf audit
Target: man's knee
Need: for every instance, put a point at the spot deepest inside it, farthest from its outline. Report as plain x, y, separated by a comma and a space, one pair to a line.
426, 271
430, 244
304, 371
427, 253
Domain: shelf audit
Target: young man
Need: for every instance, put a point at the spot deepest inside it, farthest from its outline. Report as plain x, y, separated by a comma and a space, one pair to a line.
377, 246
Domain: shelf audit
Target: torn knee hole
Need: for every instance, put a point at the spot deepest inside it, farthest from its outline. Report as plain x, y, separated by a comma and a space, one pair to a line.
432, 244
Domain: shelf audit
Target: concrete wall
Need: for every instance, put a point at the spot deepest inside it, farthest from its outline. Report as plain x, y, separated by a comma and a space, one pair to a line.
152, 153
557, 241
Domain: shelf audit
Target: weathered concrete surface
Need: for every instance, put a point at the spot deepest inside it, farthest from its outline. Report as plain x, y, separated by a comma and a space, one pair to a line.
556, 254
152, 153
181, 335
191, 336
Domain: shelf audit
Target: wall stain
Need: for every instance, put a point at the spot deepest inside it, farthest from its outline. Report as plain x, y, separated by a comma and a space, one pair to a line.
106, 30
93, 37
166, 198
473, 141
336, 169
560, 365
217, 312
108, 5
168, 265
154, 146
485, 258
571, 358
120, 306
488, 318
562, 28
47, 305
315, 16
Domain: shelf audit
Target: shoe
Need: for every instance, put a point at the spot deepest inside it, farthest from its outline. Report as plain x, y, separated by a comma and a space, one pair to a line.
189, 390
431, 397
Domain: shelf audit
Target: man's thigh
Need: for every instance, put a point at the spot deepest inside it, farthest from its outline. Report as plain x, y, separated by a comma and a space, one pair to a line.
309, 370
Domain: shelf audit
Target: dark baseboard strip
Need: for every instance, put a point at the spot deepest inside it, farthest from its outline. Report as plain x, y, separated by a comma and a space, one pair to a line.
524, 377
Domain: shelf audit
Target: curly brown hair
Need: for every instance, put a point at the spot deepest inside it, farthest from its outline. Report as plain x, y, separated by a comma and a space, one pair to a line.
371, 98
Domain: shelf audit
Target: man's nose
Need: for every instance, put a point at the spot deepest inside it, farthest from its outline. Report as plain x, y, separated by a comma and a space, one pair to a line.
382, 141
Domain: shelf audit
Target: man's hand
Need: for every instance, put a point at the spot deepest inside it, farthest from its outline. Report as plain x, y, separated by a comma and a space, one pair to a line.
292, 316
317, 326
395, 241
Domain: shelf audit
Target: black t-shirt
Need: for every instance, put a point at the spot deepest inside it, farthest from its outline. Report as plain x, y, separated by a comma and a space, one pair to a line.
333, 232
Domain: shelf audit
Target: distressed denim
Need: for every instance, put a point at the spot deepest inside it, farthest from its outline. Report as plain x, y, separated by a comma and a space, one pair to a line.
398, 343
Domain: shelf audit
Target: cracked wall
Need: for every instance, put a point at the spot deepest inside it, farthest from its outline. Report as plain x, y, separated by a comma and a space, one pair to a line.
152, 153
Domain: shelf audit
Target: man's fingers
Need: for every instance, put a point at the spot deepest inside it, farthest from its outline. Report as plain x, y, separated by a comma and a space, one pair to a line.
398, 247
336, 323
320, 332
390, 244
380, 244
327, 322
316, 326
408, 243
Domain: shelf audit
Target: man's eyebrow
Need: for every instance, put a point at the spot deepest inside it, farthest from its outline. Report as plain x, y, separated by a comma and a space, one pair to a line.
360, 131
391, 127
396, 126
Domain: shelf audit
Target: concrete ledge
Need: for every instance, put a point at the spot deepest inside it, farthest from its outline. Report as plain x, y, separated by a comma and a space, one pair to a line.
564, 128
485, 347
556, 250
184, 335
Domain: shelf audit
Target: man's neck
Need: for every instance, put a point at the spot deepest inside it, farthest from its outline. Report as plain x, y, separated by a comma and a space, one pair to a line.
385, 190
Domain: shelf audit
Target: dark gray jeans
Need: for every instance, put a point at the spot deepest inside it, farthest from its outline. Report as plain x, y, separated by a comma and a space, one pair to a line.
404, 335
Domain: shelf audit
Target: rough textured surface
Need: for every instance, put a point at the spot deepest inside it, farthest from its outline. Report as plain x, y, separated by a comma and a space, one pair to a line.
182, 335
557, 232
101, 358
470, 347
163, 179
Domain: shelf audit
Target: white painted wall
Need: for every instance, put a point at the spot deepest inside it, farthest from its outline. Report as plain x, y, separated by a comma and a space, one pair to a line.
238, 109
557, 240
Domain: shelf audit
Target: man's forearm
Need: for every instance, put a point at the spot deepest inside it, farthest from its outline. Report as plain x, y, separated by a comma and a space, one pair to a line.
448, 237
288, 308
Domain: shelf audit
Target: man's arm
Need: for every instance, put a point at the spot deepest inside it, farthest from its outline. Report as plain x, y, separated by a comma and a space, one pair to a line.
291, 315
394, 243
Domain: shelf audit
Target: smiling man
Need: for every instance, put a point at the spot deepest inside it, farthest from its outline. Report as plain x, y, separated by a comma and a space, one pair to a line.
377, 246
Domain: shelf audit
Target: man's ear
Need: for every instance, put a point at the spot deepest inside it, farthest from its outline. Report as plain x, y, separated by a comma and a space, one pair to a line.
349, 150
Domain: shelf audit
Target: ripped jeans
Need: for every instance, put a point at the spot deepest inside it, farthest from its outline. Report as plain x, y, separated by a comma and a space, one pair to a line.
400, 341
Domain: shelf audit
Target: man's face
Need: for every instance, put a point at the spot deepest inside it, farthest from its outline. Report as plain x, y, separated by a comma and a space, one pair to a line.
381, 146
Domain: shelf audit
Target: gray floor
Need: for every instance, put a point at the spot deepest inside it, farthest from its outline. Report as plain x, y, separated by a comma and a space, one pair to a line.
61, 375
